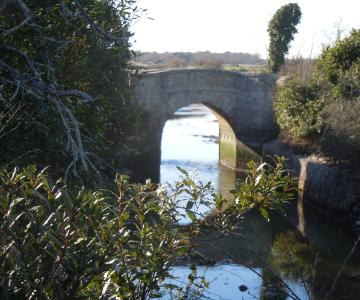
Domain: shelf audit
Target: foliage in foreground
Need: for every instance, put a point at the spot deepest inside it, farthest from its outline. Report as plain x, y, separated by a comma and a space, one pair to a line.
70, 245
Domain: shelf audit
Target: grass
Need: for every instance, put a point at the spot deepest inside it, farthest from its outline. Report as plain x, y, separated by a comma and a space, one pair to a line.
227, 67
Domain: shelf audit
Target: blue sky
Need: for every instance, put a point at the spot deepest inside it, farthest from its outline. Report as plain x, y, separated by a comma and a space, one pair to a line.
238, 25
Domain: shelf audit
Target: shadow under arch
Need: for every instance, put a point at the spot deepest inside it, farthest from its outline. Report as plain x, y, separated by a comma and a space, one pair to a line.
233, 153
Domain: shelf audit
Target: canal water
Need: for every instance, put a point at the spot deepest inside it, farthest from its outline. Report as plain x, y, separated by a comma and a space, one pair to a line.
249, 263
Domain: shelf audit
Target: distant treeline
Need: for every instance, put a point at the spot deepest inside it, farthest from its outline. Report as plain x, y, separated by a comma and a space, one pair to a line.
197, 58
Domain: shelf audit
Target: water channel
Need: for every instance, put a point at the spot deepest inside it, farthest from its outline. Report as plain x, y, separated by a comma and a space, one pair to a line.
307, 261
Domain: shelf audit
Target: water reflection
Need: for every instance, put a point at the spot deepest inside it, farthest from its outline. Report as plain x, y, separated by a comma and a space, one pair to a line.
306, 260
190, 140
280, 254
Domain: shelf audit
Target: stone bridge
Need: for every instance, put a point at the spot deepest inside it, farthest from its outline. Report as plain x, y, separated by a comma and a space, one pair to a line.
242, 103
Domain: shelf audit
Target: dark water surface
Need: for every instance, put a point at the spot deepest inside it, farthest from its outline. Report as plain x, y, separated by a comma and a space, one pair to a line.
307, 256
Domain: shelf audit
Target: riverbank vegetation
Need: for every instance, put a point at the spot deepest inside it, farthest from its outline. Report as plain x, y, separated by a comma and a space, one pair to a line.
322, 107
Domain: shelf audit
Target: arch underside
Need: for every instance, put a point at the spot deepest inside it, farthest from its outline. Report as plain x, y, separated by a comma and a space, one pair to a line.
232, 152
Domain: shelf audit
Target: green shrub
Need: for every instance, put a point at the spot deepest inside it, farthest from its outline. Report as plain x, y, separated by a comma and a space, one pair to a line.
57, 244
335, 61
326, 107
338, 71
299, 108
341, 139
53, 245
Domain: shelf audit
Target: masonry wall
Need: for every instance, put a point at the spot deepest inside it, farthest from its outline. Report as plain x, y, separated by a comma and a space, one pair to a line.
243, 104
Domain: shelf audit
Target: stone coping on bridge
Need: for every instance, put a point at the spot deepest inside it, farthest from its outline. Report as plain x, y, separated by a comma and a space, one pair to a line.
213, 70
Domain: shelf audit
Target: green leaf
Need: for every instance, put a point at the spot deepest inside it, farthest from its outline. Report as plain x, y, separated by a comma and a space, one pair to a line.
189, 205
264, 213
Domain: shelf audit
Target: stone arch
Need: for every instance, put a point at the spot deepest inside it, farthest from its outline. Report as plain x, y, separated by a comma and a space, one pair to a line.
241, 102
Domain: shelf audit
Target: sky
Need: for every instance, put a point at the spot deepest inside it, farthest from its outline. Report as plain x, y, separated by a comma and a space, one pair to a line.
238, 25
